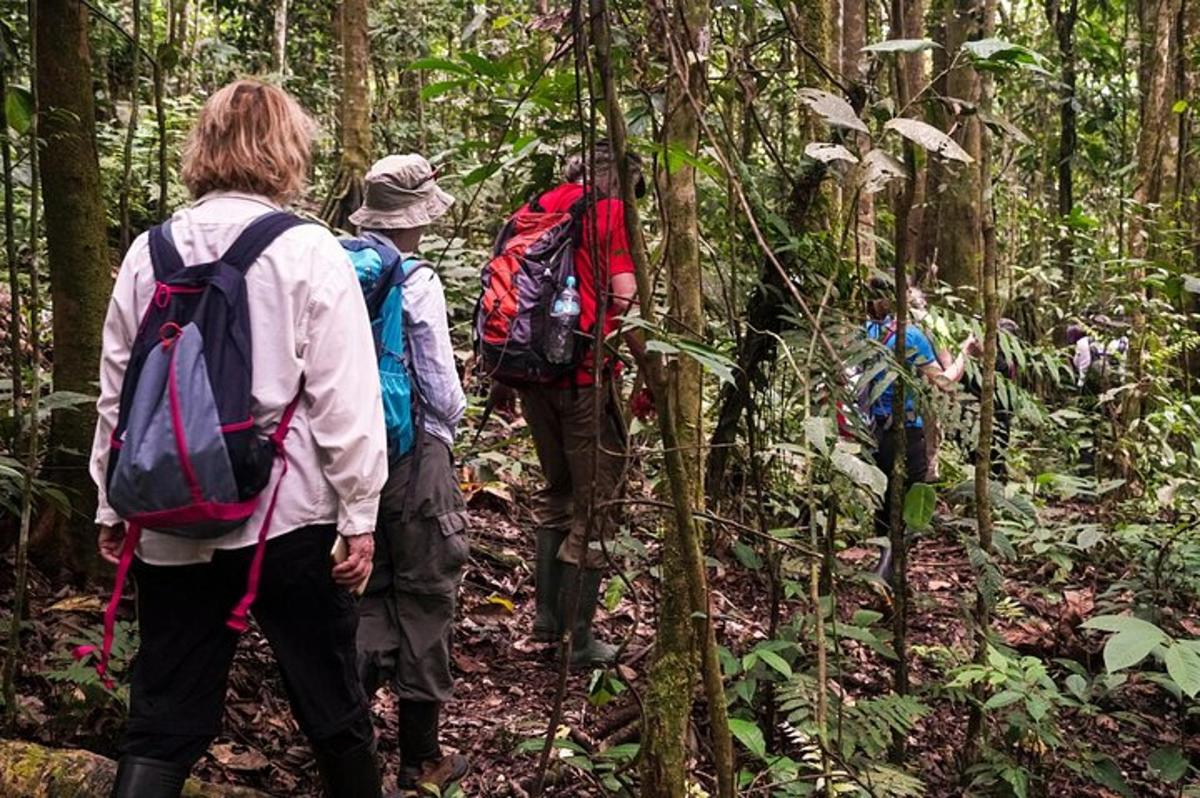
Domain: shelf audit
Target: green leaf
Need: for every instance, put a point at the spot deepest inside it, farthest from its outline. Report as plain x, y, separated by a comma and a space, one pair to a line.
440, 88
480, 173
1106, 773
441, 64
919, 505
1128, 648
18, 109
1183, 664
901, 46
818, 432
995, 49
1168, 763
1078, 687
1120, 623
859, 471
484, 66
1179, 107
776, 662
749, 735
1002, 699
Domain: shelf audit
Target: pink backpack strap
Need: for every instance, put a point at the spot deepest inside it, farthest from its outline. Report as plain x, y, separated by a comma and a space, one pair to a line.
133, 534
237, 619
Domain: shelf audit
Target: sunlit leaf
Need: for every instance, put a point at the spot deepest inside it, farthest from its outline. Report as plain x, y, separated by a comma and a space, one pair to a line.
919, 506
929, 137
833, 110
749, 735
18, 109
901, 46
826, 152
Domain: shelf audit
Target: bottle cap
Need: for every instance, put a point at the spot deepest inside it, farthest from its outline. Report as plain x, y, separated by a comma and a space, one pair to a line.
571, 282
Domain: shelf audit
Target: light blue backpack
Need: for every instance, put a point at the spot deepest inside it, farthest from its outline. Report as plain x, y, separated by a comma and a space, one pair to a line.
382, 273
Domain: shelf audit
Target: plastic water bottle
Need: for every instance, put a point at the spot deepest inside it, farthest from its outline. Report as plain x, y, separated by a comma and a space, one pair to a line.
564, 319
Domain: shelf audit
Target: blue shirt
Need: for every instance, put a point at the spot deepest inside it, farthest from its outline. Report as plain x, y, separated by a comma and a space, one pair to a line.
917, 350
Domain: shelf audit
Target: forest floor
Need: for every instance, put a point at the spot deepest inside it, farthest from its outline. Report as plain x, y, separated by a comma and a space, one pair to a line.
506, 684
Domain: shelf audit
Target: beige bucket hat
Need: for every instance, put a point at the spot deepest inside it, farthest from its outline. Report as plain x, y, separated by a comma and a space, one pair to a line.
401, 192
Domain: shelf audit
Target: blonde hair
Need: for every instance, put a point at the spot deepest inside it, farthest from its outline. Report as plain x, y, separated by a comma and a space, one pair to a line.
252, 137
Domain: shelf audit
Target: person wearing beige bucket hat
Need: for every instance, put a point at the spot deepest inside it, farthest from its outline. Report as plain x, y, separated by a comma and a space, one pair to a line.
407, 612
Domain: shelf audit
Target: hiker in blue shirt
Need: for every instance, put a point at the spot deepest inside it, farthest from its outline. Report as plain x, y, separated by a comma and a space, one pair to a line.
919, 354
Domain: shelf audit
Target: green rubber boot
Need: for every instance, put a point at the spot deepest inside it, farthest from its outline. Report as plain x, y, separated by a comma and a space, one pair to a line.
547, 580
586, 650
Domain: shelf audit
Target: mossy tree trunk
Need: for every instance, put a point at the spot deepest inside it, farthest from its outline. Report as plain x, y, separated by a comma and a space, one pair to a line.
354, 113
79, 258
952, 225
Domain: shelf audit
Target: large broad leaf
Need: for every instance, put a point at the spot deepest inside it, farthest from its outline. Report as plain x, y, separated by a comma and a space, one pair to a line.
1000, 123
1191, 284
919, 505
1105, 772
859, 471
879, 168
1121, 623
1183, 664
1168, 763
828, 153
929, 137
442, 64
18, 109
901, 46
995, 49
832, 109
749, 735
1128, 648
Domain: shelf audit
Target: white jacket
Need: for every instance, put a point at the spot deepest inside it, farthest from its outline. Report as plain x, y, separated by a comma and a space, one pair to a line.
307, 319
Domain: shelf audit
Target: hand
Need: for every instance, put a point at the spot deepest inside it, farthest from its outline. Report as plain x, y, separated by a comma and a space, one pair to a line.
353, 571
109, 542
504, 400
971, 347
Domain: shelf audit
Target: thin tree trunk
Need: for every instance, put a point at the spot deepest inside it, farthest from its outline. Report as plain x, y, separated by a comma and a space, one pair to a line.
78, 255
854, 38
279, 52
895, 497
685, 614
17, 364
21, 569
1063, 20
355, 114
131, 130
987, 416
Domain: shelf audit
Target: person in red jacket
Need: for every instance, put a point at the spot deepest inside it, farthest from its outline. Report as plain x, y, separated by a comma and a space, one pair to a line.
573, 453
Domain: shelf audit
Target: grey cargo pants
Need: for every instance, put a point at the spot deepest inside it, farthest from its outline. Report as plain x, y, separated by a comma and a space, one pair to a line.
406, 617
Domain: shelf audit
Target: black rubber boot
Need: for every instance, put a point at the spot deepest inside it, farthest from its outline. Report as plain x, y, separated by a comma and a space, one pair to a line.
548, 577
586, 650
141, 777
353, 774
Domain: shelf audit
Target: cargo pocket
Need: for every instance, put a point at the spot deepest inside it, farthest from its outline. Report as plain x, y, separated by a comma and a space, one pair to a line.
456, 548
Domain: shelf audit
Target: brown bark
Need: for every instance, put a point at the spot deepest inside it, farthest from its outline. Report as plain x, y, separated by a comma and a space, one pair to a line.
952, 224
853, 39
79, 259
1157, 19
354, 114
279, 48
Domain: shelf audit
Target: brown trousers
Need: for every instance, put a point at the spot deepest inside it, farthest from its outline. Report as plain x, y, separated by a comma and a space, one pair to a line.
566, 438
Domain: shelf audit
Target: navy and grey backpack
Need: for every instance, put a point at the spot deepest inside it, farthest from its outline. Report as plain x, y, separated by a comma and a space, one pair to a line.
382, 273
187, 458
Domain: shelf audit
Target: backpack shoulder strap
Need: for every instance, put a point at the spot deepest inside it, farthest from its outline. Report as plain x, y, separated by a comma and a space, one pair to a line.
163, 255
257, 236
410, 266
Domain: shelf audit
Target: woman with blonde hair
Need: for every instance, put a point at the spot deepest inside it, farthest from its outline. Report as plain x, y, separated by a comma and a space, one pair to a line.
312, 384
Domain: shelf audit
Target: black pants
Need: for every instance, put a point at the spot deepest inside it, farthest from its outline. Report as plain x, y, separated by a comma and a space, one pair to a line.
177, 691
916, 470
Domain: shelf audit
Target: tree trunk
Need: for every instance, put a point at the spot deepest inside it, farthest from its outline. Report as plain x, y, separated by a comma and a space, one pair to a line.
1063, 20
854, 38
954, 246
1157, 19
279, 50
79, 258
355, 114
